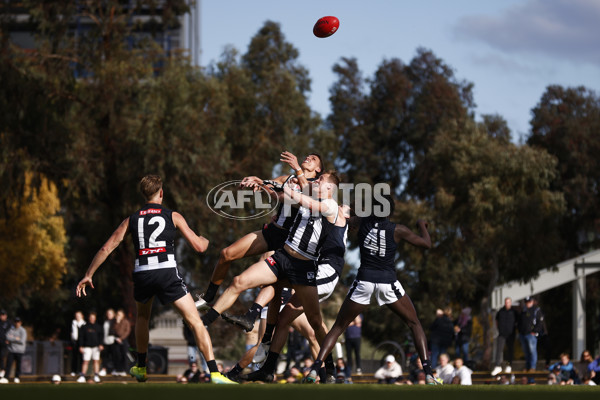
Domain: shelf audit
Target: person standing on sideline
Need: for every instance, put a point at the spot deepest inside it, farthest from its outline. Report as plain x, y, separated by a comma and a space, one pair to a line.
462, 329
531, 324
78, 322
4, 327
108, 354
506, 323
90, 345
16, 337
441, 334
122, 331
155, 272
353, 337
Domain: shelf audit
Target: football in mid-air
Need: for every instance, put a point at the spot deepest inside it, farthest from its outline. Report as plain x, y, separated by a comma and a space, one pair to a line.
326, 27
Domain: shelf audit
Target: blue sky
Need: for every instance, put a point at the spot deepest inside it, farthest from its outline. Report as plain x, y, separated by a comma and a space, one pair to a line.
510, 49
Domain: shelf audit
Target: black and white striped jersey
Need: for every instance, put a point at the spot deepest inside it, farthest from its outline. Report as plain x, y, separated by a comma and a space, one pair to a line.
286, 214
153, 233
377, 250
310, 230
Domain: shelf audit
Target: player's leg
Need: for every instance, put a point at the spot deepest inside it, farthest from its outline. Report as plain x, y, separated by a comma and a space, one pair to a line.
186, 308
251, 244
142, 336
248, 356
348, 312
405, 309
256, 275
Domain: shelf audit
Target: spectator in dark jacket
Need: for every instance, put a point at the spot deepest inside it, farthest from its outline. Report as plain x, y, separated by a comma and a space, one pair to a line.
441, 334
463, 326
506, 323
530, 326
90, 344
4, 327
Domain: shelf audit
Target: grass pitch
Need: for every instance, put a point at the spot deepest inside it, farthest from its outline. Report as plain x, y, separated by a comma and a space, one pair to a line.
170, 391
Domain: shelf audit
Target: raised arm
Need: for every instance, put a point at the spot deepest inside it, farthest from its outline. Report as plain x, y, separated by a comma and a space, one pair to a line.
292, 161
198, 243
111, 244
308, 202
403, 233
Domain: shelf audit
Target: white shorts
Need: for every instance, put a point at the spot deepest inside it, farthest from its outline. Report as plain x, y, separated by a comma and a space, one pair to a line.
385, 293
327, 278
91, 353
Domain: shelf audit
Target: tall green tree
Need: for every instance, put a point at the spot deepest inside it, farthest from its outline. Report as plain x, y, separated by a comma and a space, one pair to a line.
565, 123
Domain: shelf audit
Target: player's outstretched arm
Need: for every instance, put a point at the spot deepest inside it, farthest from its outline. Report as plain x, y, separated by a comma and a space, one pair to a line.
306, 201
292, 161
111, 244
403, 233
198, 243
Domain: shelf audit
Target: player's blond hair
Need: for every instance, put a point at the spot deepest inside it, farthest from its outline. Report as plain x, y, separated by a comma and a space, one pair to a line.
149, 185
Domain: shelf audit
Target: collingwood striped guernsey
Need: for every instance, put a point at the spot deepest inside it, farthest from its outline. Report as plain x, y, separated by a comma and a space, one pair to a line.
153, 233
286, 213
310, 230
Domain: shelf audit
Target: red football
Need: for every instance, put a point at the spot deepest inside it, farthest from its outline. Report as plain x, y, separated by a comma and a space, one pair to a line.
326, 27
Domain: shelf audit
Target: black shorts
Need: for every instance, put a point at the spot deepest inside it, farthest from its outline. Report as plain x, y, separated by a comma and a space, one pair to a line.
274, 236
164, 283
295, 270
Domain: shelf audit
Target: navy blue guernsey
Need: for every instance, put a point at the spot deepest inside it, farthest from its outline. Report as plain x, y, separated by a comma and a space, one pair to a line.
153, 233
377, 251
334, 247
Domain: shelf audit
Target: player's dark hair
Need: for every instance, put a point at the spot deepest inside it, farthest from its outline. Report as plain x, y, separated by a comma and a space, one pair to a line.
384, 202
321, 164
149, 185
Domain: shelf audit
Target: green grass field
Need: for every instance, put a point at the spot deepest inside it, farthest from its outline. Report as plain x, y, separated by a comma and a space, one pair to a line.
170, 391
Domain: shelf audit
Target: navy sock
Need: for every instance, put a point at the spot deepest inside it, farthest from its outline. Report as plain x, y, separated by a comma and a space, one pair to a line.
254, 311
271, 362
210, 317
212, 366
211, 292
141, 361
235, 371
317, 365
268, 333
329, 365
427, 367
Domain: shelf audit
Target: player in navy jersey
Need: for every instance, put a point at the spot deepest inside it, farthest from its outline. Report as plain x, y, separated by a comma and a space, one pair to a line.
378, 240
155, 273
296, 262
271, 237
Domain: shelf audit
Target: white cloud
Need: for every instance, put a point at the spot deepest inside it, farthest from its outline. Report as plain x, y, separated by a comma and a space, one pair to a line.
568, 30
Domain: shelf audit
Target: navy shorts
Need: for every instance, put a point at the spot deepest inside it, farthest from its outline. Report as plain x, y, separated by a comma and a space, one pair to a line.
295, 270
164, 283
274, 236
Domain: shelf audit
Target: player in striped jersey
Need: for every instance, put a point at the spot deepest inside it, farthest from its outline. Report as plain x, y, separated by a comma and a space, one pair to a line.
378, 240
295, 263
271, 237
155, 274
330, 266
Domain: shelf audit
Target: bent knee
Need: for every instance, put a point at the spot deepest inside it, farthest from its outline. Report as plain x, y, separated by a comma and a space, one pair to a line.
227, 255
239, 283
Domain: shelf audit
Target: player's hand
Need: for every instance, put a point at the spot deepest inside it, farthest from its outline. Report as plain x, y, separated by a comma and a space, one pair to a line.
290, 159
421, 223
82, 284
